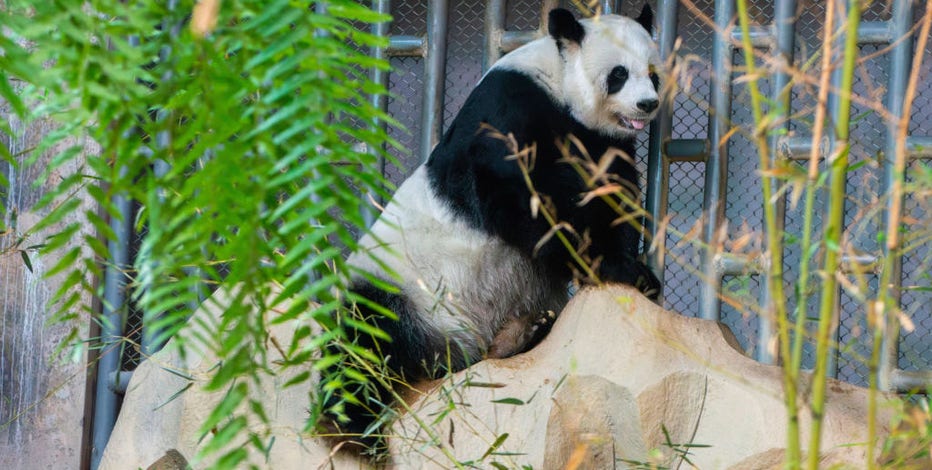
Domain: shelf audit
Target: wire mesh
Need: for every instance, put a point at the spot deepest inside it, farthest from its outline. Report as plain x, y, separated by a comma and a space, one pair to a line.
854, 338
915, 351
522, 15
686, 180
409, 17
742, 321
464, 55
132, 330
684, 204
691, 120
406, 88
406, 85
879, 10
921, 119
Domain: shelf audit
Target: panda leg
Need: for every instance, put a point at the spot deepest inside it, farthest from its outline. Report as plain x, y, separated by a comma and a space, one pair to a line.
416, 351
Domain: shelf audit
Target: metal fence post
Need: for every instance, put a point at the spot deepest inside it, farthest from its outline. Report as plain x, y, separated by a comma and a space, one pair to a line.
106, 400
434, 73
378, 100
716, 174
784, 23
658, 163
900, 60
494, 29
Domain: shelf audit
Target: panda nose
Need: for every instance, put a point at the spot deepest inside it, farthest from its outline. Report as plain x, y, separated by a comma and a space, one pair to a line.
648, 105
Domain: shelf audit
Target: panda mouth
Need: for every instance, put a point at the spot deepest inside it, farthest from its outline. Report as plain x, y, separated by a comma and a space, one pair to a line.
632, 123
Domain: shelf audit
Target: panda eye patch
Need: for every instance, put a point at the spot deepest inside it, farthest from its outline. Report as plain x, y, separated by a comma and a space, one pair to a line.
616, 79
655, 80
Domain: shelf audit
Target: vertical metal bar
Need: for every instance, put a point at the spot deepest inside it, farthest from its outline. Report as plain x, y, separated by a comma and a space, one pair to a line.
494, 30
545, 7
379, 100
900, 60
380, 76
716, 171
658, 164
106, 400
434, 75
611, 6
152, 340
106, 407
785, 25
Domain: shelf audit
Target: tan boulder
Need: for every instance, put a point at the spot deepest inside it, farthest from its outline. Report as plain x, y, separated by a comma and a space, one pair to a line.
618, 382
162, 412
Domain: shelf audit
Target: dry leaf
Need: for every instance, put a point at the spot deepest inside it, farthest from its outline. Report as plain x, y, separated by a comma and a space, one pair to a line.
204, 17
598, 192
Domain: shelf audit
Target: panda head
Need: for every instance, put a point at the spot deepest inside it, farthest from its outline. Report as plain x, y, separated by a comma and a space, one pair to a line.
610, 68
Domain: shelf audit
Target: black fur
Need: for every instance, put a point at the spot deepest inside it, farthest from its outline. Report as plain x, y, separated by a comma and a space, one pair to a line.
616, 79
469, 169
563, 26
646, 18
409, 357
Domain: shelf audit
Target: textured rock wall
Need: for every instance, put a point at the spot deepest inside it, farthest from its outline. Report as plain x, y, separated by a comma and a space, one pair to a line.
41, 399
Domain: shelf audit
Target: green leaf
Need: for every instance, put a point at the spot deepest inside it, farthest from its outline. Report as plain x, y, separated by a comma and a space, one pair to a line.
67, 208
300, 378
495, 445
256, 125
26, 261
223, 436
509, 401
231, 400
10, 96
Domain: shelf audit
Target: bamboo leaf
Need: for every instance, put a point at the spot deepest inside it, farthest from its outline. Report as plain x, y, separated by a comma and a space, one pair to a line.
495, 445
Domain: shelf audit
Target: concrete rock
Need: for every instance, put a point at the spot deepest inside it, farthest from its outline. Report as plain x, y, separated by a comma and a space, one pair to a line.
618, 382
162, 412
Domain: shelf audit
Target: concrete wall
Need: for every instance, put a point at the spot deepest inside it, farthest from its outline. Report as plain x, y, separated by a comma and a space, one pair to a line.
41, 397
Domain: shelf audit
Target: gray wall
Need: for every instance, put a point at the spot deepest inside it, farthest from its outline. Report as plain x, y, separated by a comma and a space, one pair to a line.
41, 398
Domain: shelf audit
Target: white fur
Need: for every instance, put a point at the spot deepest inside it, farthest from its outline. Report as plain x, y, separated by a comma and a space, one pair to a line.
469, 283
578, 78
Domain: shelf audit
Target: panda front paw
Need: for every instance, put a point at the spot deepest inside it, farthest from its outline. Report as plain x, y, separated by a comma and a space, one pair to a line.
521, 334
633, 273
649, 285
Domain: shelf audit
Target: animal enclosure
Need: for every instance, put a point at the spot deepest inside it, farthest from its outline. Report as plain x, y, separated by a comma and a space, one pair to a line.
699, 167
439, 51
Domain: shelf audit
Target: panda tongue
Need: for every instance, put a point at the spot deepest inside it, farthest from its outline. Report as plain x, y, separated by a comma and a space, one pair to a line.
637, 123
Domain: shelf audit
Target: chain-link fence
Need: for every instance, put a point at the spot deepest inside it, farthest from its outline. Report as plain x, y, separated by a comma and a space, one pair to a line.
691, 120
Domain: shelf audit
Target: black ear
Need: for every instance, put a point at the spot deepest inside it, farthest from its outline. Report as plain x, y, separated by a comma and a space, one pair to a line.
646, 18
563, 26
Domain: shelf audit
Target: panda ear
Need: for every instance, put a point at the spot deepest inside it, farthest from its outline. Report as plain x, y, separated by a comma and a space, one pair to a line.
646, 18
564, 27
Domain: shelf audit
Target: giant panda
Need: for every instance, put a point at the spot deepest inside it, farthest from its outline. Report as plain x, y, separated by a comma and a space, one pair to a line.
470, 270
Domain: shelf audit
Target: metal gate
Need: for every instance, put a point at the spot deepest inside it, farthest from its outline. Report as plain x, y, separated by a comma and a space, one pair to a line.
439, 49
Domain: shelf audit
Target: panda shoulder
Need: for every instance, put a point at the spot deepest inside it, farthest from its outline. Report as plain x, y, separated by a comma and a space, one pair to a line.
538, 60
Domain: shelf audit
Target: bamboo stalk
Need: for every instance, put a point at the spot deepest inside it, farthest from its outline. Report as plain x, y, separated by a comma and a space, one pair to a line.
777, 306
882, 308
838, 163
812, 186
